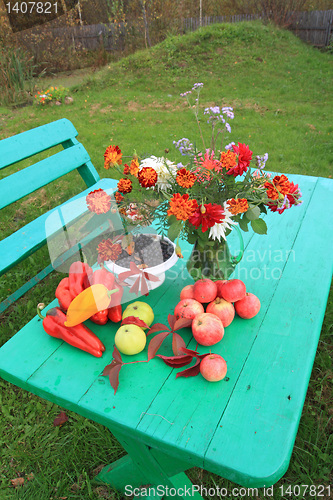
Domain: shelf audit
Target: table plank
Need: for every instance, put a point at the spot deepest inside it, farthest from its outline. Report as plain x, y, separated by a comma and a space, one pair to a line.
207, 425
188, 431
271, 389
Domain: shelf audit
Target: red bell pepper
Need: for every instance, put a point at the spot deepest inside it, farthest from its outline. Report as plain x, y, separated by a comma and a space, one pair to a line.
106, 278
100, 318
117, 296
64, 294
79, 277
102, 277
78, 336
115, 313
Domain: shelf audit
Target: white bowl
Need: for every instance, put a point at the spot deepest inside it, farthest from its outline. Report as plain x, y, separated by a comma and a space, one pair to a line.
158, 271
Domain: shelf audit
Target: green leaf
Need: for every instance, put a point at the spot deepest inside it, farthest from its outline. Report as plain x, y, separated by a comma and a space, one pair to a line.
203, 237
174, 230
192, 238
263, 209
243, 224
259, 226
172, 219
253, 213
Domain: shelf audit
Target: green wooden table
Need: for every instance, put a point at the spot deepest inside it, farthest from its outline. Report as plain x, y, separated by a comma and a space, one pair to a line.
242, 428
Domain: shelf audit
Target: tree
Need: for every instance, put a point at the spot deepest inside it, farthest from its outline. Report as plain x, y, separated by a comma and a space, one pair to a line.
143, 7
281, 12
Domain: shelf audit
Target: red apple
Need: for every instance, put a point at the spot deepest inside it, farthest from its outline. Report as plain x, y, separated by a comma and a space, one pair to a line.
188, 308
213, 367
233, 290
187, 292
204, 290
222, 309
248, 307
219, 284
207, 329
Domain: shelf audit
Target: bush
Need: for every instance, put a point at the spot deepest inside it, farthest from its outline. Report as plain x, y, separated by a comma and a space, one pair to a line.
16, 70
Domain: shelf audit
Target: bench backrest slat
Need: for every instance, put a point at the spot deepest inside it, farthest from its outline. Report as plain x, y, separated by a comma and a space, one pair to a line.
28, 180
61, 154
31, 142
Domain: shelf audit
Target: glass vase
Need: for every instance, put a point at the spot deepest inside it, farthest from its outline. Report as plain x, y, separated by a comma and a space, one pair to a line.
214, 261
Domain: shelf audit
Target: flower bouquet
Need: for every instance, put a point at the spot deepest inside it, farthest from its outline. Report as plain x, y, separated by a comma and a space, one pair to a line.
199, 200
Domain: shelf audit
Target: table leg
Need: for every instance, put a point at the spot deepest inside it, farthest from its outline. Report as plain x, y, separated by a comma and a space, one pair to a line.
144, 467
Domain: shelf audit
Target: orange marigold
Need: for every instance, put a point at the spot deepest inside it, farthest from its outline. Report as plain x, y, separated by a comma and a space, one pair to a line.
238, 206
279, 184
185, 178
124, 185
182, 207
98, 201
126, 169
134, 167
228, 159
112, 157
107, 250
147, 177
118, 196
282, 184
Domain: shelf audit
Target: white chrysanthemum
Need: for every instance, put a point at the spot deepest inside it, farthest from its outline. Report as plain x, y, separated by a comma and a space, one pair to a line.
164, 168
219, 229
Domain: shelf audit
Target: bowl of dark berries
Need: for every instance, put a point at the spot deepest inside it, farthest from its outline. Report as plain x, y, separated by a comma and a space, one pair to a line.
150, 253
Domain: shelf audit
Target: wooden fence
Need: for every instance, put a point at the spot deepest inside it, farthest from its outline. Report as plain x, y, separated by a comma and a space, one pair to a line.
314, 27
49, 37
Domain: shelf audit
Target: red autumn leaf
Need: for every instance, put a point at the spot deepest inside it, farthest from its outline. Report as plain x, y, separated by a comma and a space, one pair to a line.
126, 274
144, 286
182, 323
177, 343
18, 481
112, 370
141, 281
194, 354
114, 376
157, 328
60, 419
172, 320
176, 361
117, 356
155, 344
136, 286
192, 371
134, 320
150, 277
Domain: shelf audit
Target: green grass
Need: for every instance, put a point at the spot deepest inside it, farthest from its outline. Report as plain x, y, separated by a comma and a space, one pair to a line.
281, 92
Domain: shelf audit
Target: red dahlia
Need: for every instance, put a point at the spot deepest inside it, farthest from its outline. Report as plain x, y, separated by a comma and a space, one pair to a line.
207, 216
244, 157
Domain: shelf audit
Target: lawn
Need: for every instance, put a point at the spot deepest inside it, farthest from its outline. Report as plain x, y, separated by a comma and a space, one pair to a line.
281, 92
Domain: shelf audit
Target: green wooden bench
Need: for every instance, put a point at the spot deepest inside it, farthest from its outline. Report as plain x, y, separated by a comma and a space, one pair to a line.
32, 236
242, 428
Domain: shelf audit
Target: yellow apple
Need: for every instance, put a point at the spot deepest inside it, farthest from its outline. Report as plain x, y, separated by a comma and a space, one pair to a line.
140, 310
130, 339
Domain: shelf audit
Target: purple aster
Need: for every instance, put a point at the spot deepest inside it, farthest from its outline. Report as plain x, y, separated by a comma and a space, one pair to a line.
261, 161
229, 146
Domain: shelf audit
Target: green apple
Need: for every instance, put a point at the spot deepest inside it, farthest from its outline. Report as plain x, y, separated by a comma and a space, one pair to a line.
130, 339
140, 310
